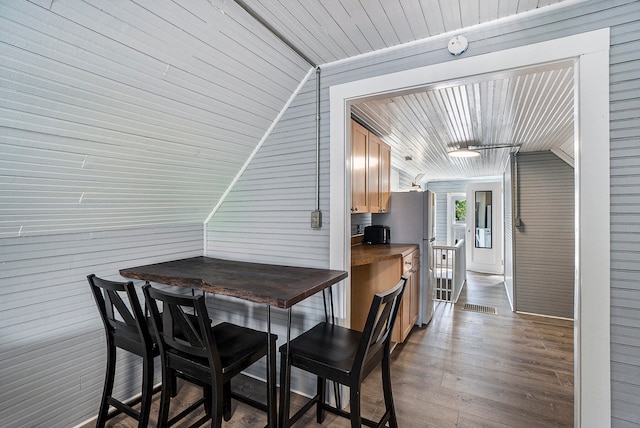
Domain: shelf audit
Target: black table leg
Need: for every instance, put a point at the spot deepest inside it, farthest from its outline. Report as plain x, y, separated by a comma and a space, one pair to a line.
272, 410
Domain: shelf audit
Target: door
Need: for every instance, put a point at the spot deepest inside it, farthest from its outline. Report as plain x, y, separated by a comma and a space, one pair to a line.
485, 228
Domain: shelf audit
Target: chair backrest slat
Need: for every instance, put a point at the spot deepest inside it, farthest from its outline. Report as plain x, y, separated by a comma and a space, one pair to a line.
115, 313
183, 325
116, 302
379, 325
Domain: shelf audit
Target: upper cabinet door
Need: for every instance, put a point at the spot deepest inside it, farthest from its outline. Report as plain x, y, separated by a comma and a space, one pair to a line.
359, 144
373, 172
385, 178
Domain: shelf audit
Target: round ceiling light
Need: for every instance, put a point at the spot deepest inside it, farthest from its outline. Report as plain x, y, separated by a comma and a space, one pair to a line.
464, 153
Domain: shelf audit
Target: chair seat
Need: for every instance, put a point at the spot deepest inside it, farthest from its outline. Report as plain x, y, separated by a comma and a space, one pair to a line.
129, 339
326, 344
236, 343
236, 346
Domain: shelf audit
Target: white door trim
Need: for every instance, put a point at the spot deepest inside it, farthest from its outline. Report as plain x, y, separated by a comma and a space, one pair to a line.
591, 53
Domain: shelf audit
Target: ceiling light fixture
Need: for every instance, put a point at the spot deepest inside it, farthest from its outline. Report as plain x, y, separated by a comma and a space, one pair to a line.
464, 153
474, 151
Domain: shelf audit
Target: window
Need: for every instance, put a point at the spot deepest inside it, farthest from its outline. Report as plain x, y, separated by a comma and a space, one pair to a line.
461, 211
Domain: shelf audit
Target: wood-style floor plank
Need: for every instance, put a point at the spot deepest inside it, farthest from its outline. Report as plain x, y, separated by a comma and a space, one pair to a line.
464, 370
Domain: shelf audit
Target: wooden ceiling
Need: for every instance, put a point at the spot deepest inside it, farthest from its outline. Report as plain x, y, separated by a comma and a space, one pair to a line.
528, 110
331, 30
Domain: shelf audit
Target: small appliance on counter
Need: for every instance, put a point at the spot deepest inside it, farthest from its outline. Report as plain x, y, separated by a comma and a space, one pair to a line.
377, 234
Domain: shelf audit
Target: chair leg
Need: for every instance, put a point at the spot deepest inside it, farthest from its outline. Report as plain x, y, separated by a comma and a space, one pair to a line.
354, 397
108, 385
147, 390
173, 385
386, 387
272, 410
226, 401
207, 394
285, 384
217, 398
321, 391
165, 397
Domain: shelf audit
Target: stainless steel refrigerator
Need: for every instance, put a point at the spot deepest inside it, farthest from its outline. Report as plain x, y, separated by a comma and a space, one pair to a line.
411, 220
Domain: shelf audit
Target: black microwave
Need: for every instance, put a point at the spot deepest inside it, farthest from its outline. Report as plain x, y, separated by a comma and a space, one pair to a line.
377, 235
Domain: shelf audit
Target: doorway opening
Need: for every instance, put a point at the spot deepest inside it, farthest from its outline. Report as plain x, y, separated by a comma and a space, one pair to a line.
590, 51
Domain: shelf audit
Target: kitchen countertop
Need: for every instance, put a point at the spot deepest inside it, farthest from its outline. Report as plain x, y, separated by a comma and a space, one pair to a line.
363, 254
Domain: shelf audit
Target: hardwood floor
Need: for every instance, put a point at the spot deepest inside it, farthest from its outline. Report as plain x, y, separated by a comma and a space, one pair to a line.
465, 369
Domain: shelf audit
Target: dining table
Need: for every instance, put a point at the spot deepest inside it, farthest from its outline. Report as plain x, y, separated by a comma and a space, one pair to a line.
274, 285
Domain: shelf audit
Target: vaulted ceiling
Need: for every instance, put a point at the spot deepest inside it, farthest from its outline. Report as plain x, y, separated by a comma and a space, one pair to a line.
125, 113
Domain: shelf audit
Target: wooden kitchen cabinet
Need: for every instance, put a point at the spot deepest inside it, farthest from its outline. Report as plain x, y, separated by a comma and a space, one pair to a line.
380, 274
359, 147
411, 300
370, 171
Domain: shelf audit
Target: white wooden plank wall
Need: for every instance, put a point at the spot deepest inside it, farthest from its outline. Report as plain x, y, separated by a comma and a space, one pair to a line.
52, 352
625, 214
122, 114
288, 236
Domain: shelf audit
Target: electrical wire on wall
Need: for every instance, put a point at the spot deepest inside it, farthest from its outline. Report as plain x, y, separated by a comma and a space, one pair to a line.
316, 215
517, 222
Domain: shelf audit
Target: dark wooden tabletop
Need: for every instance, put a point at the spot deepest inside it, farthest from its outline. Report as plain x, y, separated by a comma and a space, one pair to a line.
275, 285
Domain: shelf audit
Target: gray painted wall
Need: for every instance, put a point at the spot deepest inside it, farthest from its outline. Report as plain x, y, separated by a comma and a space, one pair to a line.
266, 217
52, 345
507, 185
545, 241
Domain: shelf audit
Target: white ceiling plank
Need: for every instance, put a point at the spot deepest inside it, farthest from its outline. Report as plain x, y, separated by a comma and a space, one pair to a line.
450, 10
470, 12
416, 20
434, 16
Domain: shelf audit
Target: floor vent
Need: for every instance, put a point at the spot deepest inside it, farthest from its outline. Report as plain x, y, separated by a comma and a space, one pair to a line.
480, 308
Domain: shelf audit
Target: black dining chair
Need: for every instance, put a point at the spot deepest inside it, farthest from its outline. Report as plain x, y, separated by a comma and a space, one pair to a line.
126, 328
204, 355
344, 356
